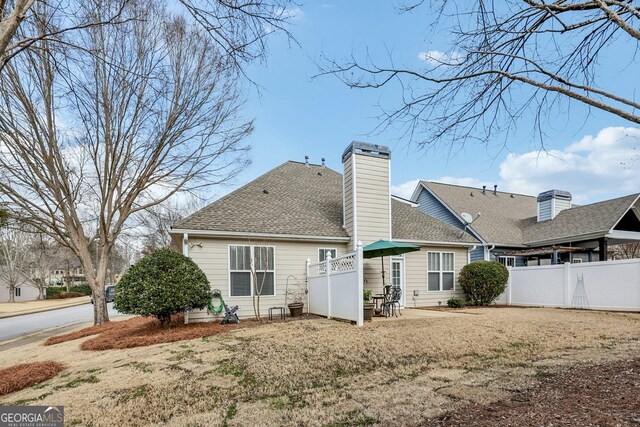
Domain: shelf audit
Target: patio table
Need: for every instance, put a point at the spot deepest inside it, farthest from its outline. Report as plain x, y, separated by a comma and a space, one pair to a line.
376, 298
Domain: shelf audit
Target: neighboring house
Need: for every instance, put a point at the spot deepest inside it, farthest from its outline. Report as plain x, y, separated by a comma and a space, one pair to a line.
25, 291
299, 211
520, 230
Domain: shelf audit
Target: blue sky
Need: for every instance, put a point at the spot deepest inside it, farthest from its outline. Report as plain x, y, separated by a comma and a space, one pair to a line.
297, 115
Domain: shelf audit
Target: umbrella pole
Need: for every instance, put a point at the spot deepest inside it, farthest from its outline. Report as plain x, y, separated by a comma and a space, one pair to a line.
382, 259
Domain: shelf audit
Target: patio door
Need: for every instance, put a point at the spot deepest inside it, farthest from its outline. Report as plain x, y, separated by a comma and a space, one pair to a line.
397, 277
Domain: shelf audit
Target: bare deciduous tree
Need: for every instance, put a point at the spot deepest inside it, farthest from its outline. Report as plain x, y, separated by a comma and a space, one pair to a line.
14, 256
626, 251
129, 116
509, 59
41, 259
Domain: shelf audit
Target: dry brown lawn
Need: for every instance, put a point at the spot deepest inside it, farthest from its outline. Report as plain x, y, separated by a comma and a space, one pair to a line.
321, 372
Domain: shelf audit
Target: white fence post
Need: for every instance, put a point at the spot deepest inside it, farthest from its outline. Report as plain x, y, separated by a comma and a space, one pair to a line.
509, 286
360, 270
328, 270
308, 265
567, 284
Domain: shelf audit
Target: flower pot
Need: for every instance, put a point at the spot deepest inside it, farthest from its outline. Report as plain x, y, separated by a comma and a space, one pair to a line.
368, 310
295, 308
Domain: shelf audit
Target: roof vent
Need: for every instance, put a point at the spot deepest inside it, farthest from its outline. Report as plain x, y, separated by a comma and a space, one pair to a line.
484, 189
306, 160
323, 160
495, 190
265, 191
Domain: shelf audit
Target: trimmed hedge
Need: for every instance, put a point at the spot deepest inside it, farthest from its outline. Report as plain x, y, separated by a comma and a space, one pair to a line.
54, 291
483, 281
83, 289
161, 284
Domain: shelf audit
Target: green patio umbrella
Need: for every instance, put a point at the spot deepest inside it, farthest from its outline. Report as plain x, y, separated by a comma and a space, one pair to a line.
383, 248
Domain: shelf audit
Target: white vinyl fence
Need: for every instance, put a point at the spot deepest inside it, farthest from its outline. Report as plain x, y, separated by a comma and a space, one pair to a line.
610, 285
336, 287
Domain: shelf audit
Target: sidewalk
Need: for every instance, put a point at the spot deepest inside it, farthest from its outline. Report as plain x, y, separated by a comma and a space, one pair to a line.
10, 309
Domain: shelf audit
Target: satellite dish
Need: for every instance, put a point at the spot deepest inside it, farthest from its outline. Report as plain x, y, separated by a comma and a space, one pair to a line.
467, 217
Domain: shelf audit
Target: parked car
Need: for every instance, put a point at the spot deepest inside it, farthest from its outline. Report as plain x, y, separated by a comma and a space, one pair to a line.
109, 293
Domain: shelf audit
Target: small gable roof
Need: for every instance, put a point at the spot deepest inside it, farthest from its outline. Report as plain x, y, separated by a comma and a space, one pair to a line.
596, 218
408, 223
501, 214
296, 199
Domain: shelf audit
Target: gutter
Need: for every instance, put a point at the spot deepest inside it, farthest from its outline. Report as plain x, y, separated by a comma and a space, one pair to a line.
432, 243
238, 234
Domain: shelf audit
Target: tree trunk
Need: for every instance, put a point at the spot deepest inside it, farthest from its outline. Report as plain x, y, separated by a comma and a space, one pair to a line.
12, 293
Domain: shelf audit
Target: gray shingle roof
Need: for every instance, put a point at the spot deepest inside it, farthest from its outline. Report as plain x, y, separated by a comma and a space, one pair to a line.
306, 201
501, 215
299, 200
578, 221
411, 224
511, 219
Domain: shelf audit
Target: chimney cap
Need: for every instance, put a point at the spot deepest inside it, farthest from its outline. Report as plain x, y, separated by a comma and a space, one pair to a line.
366, 149
554, 194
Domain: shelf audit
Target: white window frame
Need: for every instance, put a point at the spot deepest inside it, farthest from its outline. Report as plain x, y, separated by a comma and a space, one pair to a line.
441, 271
333, 250
252, 286
504, 260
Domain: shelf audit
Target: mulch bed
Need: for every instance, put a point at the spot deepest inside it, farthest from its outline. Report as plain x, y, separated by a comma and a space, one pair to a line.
142, 332
25, 375
600, 395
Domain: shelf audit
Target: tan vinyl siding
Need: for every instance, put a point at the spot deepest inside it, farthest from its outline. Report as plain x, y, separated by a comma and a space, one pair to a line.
290, 259
372, 199
415, 265
348, 196
415, 275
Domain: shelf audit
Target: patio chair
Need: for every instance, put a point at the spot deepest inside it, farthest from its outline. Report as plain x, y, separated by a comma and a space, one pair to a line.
389, 306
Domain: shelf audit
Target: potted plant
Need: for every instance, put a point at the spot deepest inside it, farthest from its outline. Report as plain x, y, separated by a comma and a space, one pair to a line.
295, 308
368, 306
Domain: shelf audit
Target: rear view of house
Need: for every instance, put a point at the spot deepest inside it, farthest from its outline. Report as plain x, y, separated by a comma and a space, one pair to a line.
301, 211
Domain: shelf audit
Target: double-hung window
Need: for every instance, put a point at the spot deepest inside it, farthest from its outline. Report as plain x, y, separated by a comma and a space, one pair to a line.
242, 281
323, 252
440, 271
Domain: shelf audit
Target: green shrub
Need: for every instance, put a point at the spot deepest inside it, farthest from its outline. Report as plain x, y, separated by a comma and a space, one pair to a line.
483, 281
368, 293
161, 284
54, 291
83, 289
455, 302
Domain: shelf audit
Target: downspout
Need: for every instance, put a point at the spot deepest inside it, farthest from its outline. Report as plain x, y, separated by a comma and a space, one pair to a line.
471, 249
488, 253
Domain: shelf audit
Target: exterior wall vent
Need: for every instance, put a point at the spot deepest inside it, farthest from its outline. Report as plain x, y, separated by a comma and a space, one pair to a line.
551, 203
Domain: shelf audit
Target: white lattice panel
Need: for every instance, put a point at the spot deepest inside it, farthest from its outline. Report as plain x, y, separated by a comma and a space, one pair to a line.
344, 264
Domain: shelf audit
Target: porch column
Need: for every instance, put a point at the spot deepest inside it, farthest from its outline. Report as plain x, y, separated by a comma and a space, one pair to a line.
603, 245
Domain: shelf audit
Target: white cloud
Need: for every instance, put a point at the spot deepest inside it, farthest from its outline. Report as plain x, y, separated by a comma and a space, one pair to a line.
594, 166
592, 169
435, 57
293, 13
405, 190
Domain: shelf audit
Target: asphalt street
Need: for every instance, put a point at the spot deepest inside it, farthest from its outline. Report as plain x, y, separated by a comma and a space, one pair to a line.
14, 327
